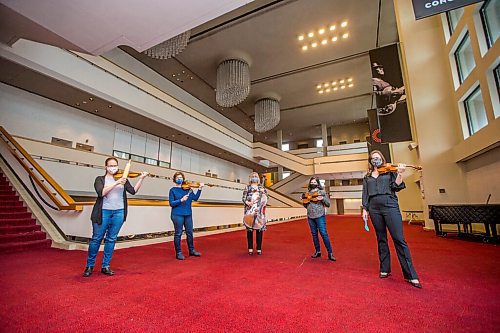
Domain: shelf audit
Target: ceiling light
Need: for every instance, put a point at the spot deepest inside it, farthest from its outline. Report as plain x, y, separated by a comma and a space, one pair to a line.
327, 90
336, 88
349, 79
318, 86
345, 35
311, 34
91, 99
342, 87
233, 82
350, 85
321, 31
341, 81
267, 114
324, 41
344, 24
169, 48
334, 83
334, 39
301, 37
321, 91
326, 84
332, 27
314, 44
304, 48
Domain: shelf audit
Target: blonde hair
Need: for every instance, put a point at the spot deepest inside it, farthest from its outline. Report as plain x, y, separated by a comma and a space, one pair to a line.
250, 177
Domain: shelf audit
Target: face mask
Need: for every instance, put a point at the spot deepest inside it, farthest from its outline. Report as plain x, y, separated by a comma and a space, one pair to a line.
313, 185
179, 181
376, 162
254, 179
112, 170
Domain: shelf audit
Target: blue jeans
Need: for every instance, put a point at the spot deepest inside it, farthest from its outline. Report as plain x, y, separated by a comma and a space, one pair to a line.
319, 224
183, 221
112, 221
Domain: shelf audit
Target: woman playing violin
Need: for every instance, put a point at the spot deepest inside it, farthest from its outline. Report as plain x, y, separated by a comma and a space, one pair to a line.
180, 198
379, 200
109, 213
315, 200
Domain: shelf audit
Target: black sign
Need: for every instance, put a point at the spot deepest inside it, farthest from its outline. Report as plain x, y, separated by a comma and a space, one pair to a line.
425, 8
375, 143
390, 94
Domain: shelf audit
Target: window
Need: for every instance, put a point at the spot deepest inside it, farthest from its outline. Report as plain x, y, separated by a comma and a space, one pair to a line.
137, 158
490, 12
151, 161
285, 147
464, 58
121, 154
302, 146
342, 142
453, 18
286, 174
496, 74
474, 111
164, 164
319, 143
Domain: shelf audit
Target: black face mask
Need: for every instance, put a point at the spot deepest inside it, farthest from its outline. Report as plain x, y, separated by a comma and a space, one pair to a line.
313, 185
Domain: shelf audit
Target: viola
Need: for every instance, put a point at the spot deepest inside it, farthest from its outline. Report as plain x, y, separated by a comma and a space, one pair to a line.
131, 174
308, 197
189, 185
388, 167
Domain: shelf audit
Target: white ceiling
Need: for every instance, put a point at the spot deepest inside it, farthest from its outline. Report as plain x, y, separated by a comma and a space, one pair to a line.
99, 26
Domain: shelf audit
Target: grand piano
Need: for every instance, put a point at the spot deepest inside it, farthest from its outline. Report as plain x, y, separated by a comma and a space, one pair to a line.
463, 216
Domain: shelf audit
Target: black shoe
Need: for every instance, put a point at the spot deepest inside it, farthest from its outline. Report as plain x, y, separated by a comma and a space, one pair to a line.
107, 271
250, 252
88, 271
415, 284
316, 254
259, 252
384, 275
194, 253
331, 257
179, 256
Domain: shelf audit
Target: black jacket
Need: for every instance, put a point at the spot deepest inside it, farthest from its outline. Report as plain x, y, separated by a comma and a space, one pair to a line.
384, 184
96, 216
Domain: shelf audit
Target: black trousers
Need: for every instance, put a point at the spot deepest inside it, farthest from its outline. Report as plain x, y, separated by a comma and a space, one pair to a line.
385, 214
259, 234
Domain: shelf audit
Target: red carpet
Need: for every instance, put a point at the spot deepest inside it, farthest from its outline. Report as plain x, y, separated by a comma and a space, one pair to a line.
284, 290
18, 230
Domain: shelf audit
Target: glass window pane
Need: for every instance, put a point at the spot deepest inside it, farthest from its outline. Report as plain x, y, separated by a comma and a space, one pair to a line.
285, 147
453, 18
137, 158
151, 161
121, 154
490, 13
496, 73
319, 143
474, 109
164, 164
464, 58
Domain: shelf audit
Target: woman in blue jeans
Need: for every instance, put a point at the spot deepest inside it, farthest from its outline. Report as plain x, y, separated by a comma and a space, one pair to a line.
316, 217
108, 214
182, 216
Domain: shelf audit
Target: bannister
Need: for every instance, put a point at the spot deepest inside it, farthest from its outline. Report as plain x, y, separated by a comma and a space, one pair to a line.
29, 164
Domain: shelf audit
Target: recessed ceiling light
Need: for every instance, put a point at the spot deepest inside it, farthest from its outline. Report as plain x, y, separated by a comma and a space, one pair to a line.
91, 99
326, 84
350, 85
344, 24
318, 86
96, 111
324, 41
345, 35
321, 91
341, 81
301, 37
84, 102
327, 90
334, 39
311, 34
336, 88
173, 75
304, 48
314, 44
109, 106
334, 83
332, 27
321, 31
342, 87
349, 79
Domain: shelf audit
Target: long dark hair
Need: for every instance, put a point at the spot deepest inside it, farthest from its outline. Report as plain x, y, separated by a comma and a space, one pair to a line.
317, 181
370, 166
106, 163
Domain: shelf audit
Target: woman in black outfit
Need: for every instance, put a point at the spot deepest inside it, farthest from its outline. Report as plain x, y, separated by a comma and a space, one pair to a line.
380, 201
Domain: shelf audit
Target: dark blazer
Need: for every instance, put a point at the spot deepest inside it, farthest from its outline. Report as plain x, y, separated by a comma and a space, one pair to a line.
96, 216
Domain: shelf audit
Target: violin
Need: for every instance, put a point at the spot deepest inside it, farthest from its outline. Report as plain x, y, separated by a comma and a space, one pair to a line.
126, 173
388, 167
308, 197
189, 185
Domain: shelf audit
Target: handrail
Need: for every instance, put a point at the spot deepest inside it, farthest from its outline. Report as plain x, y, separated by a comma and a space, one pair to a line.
26, 157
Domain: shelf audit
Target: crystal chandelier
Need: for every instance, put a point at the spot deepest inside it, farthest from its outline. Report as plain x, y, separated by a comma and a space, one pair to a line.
267, 114
233, 82
169, 48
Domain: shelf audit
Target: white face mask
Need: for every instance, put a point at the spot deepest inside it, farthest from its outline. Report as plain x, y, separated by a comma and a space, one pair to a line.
112, 170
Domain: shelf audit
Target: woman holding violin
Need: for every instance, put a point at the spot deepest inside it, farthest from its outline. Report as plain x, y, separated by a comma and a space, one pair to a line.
180, 198
109, 213
315, 200
380, 201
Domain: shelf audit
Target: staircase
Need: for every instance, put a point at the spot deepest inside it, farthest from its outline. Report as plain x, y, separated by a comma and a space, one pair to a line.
18, 230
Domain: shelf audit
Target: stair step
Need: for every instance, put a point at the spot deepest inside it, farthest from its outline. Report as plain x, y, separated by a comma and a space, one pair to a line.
5, 187
21, 246
13, 210
22, 237
14, 215
12, 229
17, 221
6, 192
10, 203
9, 196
